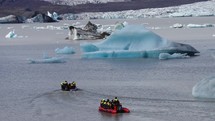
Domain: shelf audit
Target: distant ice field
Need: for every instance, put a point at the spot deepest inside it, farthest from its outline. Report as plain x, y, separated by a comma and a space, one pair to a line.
154, 90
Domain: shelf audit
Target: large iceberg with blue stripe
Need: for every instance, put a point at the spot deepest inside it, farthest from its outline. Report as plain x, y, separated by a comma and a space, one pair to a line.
134, 41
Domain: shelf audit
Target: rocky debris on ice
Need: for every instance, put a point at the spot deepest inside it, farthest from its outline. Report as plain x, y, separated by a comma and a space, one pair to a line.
89, 32
40, 18
11, 19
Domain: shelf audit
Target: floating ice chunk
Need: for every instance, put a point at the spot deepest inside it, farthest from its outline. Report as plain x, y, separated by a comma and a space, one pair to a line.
199, 25
48, 60
65, 50
11, 34
119, 26
204, 88
213, 35
165, 56
134, 41
49, 27
177, 25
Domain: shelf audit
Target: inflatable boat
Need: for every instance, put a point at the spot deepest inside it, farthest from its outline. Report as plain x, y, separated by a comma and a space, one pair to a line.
114, 111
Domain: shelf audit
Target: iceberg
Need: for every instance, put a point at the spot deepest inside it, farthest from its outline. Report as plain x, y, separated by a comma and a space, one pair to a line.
47, 59
134, 41
65, 50
11, 19
177, 25
89, 32
54, 15
205, 88
11, 34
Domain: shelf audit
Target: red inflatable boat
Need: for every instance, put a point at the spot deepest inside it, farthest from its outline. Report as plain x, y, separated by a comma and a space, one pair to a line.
114, 111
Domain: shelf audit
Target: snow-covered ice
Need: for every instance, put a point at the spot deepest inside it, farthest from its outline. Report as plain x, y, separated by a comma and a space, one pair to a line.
134, 41
65, 50
205, 8
204, 88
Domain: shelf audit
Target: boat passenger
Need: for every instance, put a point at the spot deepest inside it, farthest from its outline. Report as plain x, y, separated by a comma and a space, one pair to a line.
108, 104
116, 101
64, 85
72, 85
102, 102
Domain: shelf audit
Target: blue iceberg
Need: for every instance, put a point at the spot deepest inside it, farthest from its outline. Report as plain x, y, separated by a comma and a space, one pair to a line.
65, 50
205, 88
134, 41
47, 59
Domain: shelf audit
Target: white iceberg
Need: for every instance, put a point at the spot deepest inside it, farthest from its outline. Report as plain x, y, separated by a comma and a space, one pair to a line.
205, 88
54, 15
166, 56
177, 25
65, 50
11, 34
134, 41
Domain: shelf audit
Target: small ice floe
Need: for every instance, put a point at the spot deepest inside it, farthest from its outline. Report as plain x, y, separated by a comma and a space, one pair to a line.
155, 28
10, 27
199, 25
166, 56
11, 34
213, 35
47, 59
204, 88
65, 50
49, 27
177, 25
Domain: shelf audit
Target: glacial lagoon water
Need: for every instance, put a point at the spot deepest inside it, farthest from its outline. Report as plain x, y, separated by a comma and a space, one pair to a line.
153, 89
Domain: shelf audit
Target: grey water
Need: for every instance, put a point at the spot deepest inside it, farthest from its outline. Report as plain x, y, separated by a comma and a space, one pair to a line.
153, 90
